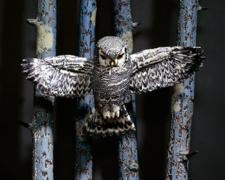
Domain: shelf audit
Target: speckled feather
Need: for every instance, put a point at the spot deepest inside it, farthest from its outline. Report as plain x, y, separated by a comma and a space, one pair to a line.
112, 87
61, 76
97, 126
163, 67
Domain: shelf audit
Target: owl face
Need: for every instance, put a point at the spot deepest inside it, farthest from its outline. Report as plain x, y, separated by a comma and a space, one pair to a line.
111, 52
115, 61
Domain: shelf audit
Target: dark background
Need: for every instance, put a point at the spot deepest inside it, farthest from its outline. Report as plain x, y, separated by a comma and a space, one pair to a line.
157, 28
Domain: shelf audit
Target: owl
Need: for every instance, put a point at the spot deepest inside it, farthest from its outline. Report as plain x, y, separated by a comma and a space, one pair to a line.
112, 77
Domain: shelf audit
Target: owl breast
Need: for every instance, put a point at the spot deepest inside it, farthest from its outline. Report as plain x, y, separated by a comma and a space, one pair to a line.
111, 85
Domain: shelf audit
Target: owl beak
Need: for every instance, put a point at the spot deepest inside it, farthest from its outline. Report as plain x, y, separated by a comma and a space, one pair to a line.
113, 63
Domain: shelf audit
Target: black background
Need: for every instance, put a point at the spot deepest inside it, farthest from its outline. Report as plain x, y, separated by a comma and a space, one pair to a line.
158, 24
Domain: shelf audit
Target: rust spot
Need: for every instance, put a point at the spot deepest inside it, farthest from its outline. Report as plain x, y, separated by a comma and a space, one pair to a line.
44, 154
44, 173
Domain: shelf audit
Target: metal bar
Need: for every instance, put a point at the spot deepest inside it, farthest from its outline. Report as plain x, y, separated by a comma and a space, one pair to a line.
128, 155
182, 99
83, 166
42, 123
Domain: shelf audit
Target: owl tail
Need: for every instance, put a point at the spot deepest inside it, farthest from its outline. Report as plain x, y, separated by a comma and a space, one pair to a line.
95, 125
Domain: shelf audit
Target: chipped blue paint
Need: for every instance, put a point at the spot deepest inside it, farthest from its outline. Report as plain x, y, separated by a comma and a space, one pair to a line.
182, 100
128, 156
84, 164
123, 22
46, 20
88, 11
42, 124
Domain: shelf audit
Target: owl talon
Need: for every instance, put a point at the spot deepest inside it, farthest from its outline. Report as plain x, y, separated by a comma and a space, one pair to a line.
106, 115
116, 110
113, 115
117, 113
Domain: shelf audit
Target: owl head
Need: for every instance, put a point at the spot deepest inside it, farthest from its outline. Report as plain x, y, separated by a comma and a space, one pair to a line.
112, 51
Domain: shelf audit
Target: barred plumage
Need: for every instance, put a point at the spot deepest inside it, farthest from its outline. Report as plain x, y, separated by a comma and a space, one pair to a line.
163, 67
111, 84
112, 77
62, 76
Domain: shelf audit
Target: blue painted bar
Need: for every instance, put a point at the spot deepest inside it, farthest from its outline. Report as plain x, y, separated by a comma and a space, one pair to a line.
128, 155
84, 164
123, 21
42, 124
182, 99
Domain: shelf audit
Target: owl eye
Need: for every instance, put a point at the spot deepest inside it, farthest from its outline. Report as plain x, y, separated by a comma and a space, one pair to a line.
103, 57
120, 56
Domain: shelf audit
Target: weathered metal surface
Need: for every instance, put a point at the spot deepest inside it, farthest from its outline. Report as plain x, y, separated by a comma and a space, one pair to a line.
88, 10
123, 21
83, 166
42, 124
128, 156
182, 99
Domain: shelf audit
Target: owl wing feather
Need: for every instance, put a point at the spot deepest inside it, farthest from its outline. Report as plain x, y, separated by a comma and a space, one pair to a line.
163, 67
60, 76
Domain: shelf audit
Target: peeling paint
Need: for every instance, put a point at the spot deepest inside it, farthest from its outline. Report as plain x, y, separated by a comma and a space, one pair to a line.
84, 164
128, 38
176, 106
42, 123
182, 99
179, 88
93, 16
45, 37
42, 133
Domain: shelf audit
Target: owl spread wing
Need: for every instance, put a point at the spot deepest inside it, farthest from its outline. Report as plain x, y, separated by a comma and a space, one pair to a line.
163, 67
61, 76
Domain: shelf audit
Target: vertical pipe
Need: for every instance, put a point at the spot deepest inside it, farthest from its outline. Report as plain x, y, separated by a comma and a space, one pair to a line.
182, 99
42, 123
83, 166
128, 156
123, 21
